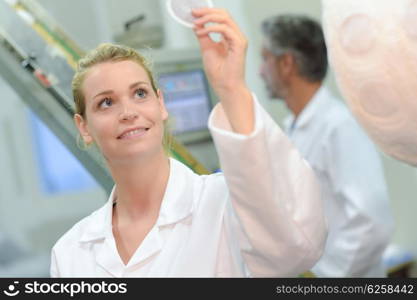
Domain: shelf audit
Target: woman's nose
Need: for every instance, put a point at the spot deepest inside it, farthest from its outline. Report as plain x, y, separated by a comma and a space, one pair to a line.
128, 113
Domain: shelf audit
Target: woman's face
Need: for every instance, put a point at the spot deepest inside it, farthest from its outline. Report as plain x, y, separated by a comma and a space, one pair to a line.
123, 114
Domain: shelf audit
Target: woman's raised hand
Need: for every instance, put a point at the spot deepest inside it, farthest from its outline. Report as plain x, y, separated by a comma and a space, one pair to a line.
224, 63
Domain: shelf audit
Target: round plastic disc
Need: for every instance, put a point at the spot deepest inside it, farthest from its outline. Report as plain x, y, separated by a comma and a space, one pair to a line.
180, 10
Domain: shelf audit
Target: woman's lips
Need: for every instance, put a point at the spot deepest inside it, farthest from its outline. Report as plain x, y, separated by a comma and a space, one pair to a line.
133, 133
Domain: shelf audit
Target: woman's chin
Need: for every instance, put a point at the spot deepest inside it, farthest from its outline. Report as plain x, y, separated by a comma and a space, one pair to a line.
134, 153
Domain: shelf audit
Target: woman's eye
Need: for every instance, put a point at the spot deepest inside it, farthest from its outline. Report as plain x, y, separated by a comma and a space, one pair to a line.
107, 102
141, 93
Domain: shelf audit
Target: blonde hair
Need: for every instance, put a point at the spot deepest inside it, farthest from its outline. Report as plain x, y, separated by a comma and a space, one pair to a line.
107, 52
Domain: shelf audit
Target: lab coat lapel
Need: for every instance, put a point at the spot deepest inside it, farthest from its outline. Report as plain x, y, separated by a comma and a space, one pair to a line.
106, 253
178, 199
108, 257
176, 206
101, 235
150, 246
199, 255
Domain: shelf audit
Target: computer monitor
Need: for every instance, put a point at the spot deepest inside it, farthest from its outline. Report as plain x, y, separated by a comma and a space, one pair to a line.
187, 99
188, 96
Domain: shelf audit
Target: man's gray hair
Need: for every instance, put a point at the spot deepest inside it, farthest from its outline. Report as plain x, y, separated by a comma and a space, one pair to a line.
303, 38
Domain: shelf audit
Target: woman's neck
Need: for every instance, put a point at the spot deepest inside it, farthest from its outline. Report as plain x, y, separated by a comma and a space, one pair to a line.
140, 187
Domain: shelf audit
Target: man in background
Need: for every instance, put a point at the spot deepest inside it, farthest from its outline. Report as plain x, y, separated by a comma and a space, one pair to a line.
344, 159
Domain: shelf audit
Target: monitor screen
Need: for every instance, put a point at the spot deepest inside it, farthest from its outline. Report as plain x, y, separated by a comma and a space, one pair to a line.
187, 99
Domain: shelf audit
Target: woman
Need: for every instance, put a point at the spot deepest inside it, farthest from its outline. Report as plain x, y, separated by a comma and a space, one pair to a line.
263, 217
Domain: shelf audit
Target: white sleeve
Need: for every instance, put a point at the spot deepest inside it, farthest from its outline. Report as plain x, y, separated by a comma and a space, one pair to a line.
274, 195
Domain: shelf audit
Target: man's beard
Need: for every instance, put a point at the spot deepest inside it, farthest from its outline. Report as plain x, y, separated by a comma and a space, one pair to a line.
279, 91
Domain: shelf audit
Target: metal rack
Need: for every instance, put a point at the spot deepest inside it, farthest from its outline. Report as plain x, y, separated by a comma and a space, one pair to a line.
37, 60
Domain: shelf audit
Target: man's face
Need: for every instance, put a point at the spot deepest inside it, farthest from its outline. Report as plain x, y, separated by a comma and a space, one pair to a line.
271, 73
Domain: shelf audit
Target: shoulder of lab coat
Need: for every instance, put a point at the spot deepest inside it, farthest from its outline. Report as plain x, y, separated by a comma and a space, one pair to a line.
276, 209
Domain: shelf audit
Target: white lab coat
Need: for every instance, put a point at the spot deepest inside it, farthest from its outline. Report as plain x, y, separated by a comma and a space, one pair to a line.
263, 217
353, 185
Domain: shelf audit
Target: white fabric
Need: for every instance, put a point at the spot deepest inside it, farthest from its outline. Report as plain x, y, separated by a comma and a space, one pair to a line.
373, 51
263, 217
353, 185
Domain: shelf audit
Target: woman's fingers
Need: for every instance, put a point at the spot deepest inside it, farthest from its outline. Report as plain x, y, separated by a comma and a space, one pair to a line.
214, 15
216, 18
222, 24
229, 34
199, 12
224, 61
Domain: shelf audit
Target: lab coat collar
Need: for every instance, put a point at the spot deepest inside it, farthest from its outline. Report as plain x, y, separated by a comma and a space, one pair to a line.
177, 204
312, 110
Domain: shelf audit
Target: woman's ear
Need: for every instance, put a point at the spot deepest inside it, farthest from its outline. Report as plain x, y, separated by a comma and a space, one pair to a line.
164, 112
82, 128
